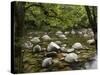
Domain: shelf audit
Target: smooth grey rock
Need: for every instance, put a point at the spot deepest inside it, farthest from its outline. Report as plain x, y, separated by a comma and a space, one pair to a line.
71, 57
53, 47
63, 49
59, 33
58, 42
77, 45
62, 36
28, 44
86, 35
37, 48
47, 62
91, 41
35, 40
46, 38
70, 50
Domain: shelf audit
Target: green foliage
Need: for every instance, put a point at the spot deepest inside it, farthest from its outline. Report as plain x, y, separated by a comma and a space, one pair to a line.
55, 15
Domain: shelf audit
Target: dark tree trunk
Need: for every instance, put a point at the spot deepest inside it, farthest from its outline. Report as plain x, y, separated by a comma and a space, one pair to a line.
92, 20
19, 13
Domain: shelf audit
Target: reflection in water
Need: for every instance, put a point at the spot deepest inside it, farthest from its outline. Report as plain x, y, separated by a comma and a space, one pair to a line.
92, 64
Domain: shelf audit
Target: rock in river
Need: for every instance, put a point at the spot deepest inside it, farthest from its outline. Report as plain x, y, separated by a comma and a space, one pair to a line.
46, 37
37, 48
77, 45
62, 36
47, 62
28, 45
70, 50
53, 47
35, 40
91, 41
59, 33
71, 57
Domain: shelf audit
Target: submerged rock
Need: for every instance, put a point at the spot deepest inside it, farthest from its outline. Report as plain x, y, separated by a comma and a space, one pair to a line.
46, 38
71, 57
35, 40
91, 64
47, 62
77, 45
53, 47
37, 48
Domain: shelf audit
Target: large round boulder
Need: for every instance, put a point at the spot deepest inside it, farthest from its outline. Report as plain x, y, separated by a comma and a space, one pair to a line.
46, 38
53, 47
71, 57
77, 45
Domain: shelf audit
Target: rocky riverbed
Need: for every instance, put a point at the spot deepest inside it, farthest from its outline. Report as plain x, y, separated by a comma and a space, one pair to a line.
38, 46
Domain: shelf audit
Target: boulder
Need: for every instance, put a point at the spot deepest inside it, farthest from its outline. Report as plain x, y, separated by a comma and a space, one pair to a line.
91, 41
28, 45
59, 33
46, 38
70, 50
77, 45
35, 40
86, 35
47, 62
53, 47
62, 36
37, 48
71, 57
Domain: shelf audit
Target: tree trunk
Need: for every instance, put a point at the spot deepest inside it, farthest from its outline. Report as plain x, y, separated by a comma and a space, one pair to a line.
19, 13
92, 20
